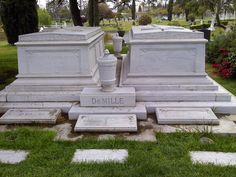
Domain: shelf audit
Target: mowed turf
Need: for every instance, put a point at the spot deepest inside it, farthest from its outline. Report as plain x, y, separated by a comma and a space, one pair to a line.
229, 84
168, 157
8, 64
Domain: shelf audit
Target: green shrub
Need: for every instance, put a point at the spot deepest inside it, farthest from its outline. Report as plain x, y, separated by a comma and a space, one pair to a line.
44, 17
198, 27
191, 17
227, 41
224, 22
18, 17
145, 20
174, 23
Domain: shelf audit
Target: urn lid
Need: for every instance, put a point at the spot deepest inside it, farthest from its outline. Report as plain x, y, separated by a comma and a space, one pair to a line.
158, 32
62, 34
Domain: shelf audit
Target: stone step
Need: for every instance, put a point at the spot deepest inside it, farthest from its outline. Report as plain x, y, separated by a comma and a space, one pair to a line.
176, 87
162, 80
183, 96
139, 110
30, 116
106, 123
43, 96
42, 88
3, 97
217, 107
63, 106
183, 116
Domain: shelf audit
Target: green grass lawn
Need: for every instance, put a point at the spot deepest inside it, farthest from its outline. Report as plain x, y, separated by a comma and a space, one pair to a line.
8, 64
229, 84
168, 157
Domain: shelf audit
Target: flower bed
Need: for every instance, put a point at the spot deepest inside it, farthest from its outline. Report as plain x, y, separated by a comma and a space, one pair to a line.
227, 67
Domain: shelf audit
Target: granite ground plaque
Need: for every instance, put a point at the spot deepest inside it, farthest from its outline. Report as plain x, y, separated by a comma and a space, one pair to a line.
28, 116
12, 157
100, 155
106, 123
216, 158
186, 116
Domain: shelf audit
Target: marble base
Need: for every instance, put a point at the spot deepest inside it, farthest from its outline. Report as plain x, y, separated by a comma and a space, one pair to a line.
139, 110
181, 116
120, 97
106, 123
29, 116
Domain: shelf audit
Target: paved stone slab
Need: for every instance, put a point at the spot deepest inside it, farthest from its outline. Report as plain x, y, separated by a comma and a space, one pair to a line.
139, 110
106, 123
145, 136
186, 116
28, 116
100, 155
12, 157
216, 158
119, 97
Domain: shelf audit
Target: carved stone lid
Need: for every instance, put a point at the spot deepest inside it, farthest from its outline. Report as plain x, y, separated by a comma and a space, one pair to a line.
62, 34
156, 32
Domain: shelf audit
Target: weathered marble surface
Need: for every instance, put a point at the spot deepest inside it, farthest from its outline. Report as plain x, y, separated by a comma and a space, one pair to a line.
57, 60
181, 116
120, 97
215, 158
139, 110
12, 157
28, 116
100, 155
106, 123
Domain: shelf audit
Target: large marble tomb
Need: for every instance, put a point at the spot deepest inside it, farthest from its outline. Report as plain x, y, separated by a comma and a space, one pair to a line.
57, 64
167, 64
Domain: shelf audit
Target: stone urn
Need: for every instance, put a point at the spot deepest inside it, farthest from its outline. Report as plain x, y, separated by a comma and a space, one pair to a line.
117, 44
107, 71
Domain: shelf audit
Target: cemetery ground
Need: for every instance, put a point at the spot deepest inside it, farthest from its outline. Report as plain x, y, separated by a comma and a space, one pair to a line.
168, 156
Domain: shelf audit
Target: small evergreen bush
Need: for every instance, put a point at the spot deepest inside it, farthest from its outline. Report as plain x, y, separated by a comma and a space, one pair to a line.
18, 17
145, 20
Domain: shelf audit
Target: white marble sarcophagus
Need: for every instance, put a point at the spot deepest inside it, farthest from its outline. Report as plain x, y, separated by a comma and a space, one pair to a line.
167, 63
55, 62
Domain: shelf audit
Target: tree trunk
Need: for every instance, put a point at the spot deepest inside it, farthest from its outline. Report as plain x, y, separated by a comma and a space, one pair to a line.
186, 15
75, 13
133, 10
170, 9
96, 13
93, 13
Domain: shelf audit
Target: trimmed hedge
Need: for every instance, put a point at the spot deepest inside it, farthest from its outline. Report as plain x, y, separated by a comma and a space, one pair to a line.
198, 27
